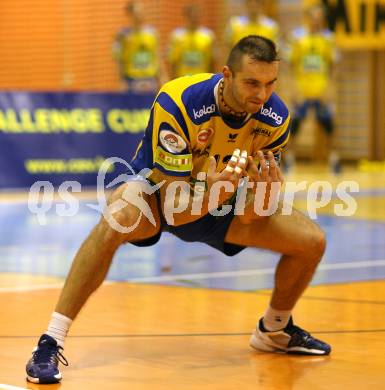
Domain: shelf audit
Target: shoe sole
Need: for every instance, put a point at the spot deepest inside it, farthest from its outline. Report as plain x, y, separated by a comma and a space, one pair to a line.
56, 379
260, 345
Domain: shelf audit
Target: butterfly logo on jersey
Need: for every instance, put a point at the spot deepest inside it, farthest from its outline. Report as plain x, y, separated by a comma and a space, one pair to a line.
232, 137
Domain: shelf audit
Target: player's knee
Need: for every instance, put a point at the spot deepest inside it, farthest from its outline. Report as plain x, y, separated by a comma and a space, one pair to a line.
129, 213
110, 236
315, 244
294, 126
119, 206
119, 227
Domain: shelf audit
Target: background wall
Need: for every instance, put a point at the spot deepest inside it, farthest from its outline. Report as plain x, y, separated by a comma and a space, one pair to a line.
65, 45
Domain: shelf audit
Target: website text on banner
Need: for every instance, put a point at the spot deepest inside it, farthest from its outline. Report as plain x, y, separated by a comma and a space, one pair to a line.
67, 136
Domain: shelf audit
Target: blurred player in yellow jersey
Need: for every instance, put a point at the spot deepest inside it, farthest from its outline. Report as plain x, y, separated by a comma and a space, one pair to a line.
253, 23
312, 55
136, 49
191, 46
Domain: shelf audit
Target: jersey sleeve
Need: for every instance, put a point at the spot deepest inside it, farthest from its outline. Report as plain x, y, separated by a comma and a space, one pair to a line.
170, 138
281, 138
173, 49
334, 53
273, 126
293, 50
117, 45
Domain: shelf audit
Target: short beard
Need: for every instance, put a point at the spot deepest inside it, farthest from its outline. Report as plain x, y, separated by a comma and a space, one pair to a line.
234, 98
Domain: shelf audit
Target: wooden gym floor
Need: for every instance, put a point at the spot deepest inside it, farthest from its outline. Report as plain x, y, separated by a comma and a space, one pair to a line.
179, 317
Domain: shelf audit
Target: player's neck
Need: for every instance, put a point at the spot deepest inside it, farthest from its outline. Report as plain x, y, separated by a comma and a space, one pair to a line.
225, 105
137, 25
192, 27
254, 18
314, 30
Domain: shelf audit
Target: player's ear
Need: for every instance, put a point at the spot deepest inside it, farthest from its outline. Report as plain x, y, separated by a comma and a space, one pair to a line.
226, 72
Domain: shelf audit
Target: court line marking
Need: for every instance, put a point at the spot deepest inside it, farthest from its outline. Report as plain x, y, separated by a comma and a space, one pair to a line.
31, 288
37, 287
330, 299
9, 387
206, 275
159, 335
252, 272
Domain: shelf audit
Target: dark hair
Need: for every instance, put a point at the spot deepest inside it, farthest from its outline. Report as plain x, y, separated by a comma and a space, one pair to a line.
130, 7
191, 7
256, 47
315, 7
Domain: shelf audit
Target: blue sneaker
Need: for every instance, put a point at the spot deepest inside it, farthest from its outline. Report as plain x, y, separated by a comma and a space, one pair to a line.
292, 339
335, 163
43, 365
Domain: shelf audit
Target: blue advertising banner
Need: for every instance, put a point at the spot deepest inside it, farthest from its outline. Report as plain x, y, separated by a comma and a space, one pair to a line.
66, 136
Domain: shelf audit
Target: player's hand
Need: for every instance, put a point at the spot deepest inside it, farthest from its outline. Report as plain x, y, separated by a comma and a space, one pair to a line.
269, 174
269, 171
233, 172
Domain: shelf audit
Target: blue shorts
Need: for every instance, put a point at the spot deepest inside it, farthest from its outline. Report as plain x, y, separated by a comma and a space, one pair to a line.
142, 85
209, 229
323, 113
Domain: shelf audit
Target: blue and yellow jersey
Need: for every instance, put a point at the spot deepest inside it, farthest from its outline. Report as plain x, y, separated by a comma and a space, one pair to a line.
241, 26
136, 51
191, 52
312, 56
186, 128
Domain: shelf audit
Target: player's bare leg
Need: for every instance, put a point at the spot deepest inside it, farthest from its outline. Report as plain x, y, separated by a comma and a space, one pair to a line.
93, 259
302, 244
89, 268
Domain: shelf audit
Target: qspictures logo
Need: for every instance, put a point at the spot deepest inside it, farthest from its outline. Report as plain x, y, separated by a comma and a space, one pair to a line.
317, 194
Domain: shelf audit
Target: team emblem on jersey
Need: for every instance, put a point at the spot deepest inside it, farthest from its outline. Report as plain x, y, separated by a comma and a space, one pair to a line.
172, 162
172, 142
204, 135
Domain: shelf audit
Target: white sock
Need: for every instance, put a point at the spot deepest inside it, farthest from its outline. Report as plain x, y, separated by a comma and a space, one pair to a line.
274, 320
58, 327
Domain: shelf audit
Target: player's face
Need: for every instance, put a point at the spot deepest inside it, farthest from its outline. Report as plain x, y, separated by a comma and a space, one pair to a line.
316, 19
192, 16
253, 84
138, 14
253, 6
